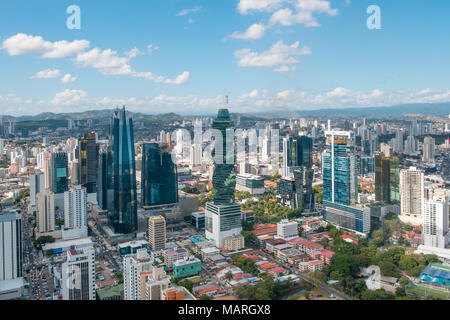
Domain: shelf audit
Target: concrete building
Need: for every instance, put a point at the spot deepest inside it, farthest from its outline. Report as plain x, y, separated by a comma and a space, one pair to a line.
188, 267
234, 243
37, 185
157, 233
78, 275
45, 213
75, 213
428, 149
435, 223
134, 265
250, 183
411, 196
287, 230
222, 221
156, 283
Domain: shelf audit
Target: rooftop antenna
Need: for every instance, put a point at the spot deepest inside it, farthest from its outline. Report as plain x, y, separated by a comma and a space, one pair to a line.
225, 99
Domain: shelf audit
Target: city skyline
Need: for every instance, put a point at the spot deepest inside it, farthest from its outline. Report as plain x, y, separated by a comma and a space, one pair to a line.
265, 56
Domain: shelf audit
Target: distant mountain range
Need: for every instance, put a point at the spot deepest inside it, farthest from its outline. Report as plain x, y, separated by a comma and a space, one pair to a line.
436, 109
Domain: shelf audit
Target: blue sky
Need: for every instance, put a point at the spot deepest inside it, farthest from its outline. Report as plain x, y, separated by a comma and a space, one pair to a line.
267, 54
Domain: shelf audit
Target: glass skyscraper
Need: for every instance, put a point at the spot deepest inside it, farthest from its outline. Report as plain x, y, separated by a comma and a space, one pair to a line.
159, 183
89, 162
297, 152
59, 172
224, 178
124, 218
104, 182
387, 179
340, 179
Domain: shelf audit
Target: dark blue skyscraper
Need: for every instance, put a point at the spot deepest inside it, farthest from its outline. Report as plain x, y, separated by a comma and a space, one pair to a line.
159, 183
124, 218
59, 172
339, 168
104, 181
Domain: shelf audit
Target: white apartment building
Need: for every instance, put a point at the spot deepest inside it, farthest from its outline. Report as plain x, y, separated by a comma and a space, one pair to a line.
412, 195
75, 213
133, 266
435, 223
78, 275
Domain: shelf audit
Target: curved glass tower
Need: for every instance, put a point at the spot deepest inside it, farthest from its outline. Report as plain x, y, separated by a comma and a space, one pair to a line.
224, 178
124, 219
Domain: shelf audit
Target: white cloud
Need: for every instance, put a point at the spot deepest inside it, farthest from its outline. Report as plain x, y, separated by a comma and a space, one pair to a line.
189, 11
248, 6
133, 53
254, 32
285, 68
278, 54
47, 74
182, 78
255, 100
21, 43
109, 63
70, 97
68, 78
152, 48
305, 10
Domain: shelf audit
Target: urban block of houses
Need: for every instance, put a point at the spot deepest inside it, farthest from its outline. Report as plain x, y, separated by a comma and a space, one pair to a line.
305, 245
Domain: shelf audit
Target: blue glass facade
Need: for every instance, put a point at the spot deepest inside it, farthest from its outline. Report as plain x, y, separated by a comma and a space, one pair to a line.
224, 178
340, 179
59, 172
124, 218
159, 183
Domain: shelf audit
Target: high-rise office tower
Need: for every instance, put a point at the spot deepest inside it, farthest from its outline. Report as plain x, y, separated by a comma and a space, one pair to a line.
75, 210
223, 215
105, 192
11, 252
303, 177
124, 219
59, 172
339, 168
412, 195
224, 178
435, 223
37, 184
157, 233
45, 211
428, 149
159, 184
89, 162
387, 179
297, 152
78, 274
135, 269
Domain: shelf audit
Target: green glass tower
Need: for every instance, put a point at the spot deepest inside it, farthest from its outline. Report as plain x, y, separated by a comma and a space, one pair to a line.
124, 219
224, 178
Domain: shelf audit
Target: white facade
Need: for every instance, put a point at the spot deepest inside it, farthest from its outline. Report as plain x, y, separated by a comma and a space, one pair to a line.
75, 211
412, 194
133, 265
10, 246
222, 221
435, 223
78, 275
287, 230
